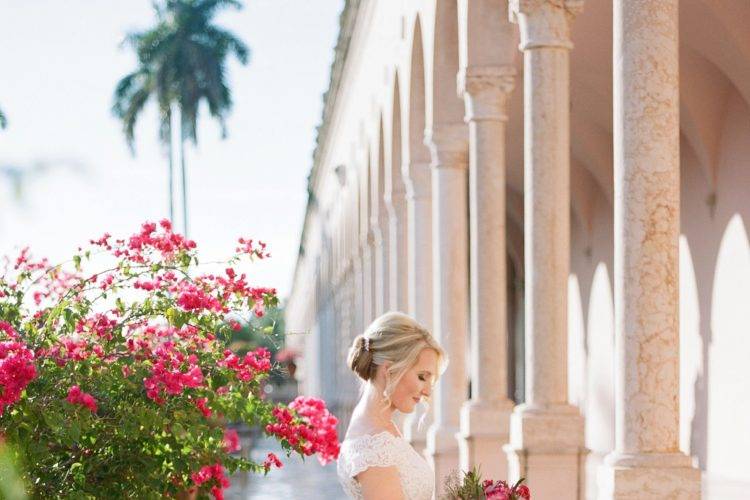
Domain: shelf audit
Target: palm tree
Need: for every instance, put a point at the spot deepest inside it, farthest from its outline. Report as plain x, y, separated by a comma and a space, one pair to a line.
3, 120
181, 63
131, 95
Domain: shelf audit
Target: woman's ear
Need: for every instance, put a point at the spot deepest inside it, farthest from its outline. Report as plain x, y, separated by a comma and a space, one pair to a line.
383, 370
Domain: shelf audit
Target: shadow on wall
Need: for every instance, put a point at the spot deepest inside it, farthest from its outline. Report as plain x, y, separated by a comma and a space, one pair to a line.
714, 334
714, 314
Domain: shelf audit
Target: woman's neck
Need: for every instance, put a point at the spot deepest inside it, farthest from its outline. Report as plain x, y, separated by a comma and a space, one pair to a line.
374, 405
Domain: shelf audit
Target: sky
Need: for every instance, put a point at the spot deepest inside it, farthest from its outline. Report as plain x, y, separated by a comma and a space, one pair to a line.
59, 63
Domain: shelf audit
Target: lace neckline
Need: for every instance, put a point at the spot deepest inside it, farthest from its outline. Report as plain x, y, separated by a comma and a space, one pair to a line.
372, 435
384, 449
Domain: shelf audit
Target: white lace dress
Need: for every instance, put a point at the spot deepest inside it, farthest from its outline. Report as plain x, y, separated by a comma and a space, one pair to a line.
385, 450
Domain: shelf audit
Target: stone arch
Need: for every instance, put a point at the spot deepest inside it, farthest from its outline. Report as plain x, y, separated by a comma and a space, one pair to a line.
691, 344
378, 176
379, 221
486, 35
701, 21
418, 180
728, 375
599, 407
394, 178
395, 198
443, 103
576, 344
704, 95
366, 239
705, 226
415, 150
364, 197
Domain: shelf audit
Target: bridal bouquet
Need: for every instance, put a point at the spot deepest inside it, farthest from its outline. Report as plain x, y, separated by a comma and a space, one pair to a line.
115, 376
470, 486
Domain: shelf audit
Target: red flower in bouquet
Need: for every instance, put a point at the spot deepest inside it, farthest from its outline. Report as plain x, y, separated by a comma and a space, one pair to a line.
499, 490
469, 486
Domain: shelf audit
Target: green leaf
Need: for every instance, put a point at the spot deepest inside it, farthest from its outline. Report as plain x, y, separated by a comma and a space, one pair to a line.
74, 431
171, 314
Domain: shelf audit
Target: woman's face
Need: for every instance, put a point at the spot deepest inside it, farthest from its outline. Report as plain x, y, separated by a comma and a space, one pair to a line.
417, 382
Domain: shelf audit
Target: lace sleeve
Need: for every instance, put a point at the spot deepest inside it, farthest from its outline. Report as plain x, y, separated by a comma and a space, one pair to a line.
372, 451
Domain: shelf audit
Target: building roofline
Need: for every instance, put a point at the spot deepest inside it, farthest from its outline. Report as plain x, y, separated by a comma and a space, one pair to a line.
347, 20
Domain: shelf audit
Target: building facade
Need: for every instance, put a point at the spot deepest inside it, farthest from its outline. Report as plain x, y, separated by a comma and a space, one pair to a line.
559, 190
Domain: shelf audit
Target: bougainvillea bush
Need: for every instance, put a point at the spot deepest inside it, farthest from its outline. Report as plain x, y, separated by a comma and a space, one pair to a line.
116, 380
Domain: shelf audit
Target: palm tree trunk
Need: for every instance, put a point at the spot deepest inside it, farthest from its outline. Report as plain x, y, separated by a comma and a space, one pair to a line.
171, 175
184, 179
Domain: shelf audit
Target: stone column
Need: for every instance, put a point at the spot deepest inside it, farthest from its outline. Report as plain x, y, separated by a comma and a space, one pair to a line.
367, 281
647, 462
380, 233
450, 236
485, 419
379, 247
419, 213
355, 251
366, 242
398, 247
547, 439
381, 260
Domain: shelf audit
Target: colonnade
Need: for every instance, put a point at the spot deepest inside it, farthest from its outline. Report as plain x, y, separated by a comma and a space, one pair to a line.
423, 230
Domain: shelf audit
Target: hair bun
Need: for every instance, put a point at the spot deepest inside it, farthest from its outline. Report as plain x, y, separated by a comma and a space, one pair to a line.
360, 357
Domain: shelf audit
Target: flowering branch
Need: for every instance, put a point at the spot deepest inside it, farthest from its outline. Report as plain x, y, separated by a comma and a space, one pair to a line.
128, 366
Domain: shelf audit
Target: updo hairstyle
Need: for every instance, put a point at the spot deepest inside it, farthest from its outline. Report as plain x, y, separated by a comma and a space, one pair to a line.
396, 338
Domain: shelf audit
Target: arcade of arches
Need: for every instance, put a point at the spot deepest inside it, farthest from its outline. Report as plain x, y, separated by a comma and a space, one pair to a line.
559, 190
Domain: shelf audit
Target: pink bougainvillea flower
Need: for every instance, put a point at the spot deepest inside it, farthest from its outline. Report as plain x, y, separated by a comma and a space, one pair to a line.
77, 397
212, 472
16, 371
168, 377
8, 329
246, 368
248, 247
313, 432
202, 405
272, 460
145, 328
231, 441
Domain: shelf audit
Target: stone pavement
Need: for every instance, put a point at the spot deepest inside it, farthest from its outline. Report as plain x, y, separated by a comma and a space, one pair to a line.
297, 479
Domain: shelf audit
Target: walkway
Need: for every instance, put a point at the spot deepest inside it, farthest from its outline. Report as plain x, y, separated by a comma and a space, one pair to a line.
297, 479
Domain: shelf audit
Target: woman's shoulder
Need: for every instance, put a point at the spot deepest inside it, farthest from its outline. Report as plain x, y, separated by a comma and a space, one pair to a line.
362, 429
369, 447
366, 436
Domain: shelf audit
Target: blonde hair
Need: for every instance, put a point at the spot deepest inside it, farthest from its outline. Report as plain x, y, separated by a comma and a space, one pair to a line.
396, 338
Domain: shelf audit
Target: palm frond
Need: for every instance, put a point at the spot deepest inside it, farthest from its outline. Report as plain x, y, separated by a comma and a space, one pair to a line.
182, 60
130, 116
226, 43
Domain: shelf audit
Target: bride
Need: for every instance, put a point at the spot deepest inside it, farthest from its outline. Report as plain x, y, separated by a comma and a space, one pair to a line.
398, 361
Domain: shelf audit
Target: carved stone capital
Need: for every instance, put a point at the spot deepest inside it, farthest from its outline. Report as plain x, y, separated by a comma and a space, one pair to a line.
418, 181
544, 23
485, 90
449, 145
478, 79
